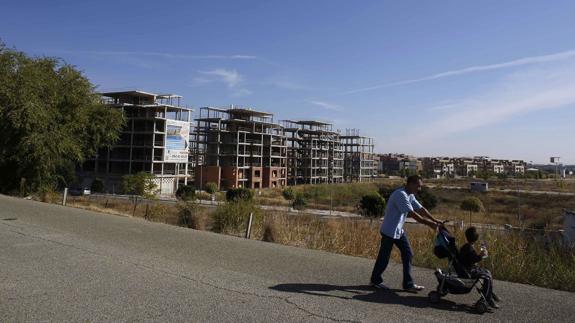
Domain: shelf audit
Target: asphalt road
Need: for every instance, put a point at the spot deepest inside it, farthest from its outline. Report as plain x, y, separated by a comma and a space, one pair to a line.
66, 264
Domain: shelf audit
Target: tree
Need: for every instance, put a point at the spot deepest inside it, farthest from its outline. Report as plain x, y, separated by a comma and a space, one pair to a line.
139, 184
427, 198
385, 192
372, 205
288, 194
97, 186
472, 205
299, 202
239, 194
186, 193
211, 187
51, 119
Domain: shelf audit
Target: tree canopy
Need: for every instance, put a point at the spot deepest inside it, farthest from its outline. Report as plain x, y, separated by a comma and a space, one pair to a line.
51, 119
372, 204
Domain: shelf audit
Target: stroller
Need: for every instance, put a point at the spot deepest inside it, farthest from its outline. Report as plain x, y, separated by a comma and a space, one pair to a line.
457, 280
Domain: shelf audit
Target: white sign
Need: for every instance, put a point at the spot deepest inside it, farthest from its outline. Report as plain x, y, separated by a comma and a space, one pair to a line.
177, 141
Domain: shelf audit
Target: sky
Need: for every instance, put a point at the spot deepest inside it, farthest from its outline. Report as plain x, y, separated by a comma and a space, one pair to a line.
428, 78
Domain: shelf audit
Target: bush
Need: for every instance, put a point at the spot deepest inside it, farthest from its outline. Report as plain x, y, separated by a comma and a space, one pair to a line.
288, 194
372, 205
427, 198
299, 202
385, 192
233, 217
187, 214
139, 184
472, 204
239, 194
97, 186
211, 187
186, 193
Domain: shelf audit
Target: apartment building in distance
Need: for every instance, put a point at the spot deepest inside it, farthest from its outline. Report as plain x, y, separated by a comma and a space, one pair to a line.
154, 140
469, 166
315, 153
438, 166
397, 164
239, 147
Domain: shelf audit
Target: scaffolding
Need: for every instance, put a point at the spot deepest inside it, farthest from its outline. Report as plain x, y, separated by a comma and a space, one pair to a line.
314, 153
239, 147
146, 143
359, 158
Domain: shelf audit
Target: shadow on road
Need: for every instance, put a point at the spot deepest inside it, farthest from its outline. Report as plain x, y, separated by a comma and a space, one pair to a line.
367, 293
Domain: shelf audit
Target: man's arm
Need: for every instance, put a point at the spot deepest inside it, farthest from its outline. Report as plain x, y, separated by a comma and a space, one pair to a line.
425, 213
432, 224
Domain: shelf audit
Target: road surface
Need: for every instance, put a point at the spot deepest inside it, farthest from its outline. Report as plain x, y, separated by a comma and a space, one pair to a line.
66, 264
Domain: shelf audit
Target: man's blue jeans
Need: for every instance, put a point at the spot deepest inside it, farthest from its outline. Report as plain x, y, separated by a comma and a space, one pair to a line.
383, 259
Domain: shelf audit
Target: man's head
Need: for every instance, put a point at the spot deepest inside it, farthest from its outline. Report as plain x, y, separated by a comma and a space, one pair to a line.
471, 234
414, 184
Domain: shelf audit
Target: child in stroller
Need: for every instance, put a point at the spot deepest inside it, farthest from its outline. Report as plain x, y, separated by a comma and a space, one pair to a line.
461, 276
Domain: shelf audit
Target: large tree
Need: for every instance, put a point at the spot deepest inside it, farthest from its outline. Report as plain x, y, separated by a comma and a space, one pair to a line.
51, 119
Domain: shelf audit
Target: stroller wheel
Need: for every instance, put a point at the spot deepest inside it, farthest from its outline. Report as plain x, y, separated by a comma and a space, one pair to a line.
433, 297
481, 306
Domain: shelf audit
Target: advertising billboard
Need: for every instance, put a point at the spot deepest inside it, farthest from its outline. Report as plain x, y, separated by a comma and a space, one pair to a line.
177, 141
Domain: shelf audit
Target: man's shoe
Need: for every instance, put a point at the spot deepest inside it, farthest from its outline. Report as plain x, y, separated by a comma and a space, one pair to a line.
492, 304
495, 297
415, 288
378, 286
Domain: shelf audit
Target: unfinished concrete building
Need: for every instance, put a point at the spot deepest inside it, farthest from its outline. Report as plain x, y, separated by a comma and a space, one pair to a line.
314, 153
359, 159
154, 140
239, 147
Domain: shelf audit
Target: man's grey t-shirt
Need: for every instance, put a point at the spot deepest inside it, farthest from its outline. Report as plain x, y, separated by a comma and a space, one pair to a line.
399, 205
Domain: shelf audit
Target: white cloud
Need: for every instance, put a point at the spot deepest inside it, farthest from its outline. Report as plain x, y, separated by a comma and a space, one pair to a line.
229, 77
537, 89
472, 69
326, 105
158, 54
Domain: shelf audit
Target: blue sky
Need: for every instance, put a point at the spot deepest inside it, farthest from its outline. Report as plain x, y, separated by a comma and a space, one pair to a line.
491, 78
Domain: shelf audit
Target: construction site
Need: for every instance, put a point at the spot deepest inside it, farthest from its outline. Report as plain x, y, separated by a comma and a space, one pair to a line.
231, 147
359, 163
314, 153
155, 140
239, 147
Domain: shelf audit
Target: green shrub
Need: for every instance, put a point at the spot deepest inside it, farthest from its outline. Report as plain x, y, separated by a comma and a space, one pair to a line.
240, 193
385, 192
186, 214
299, 202
472, 204
427, 198
232, 217
139, 184
211, 187
372, 205
288, 193
186, 193
97, 186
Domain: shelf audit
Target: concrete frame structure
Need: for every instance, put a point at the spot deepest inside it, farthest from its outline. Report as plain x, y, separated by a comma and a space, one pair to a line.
238, 147
359, 159
314, 154
142, 143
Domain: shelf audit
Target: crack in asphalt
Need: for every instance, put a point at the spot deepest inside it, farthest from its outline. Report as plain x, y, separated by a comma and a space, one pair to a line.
287, 300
